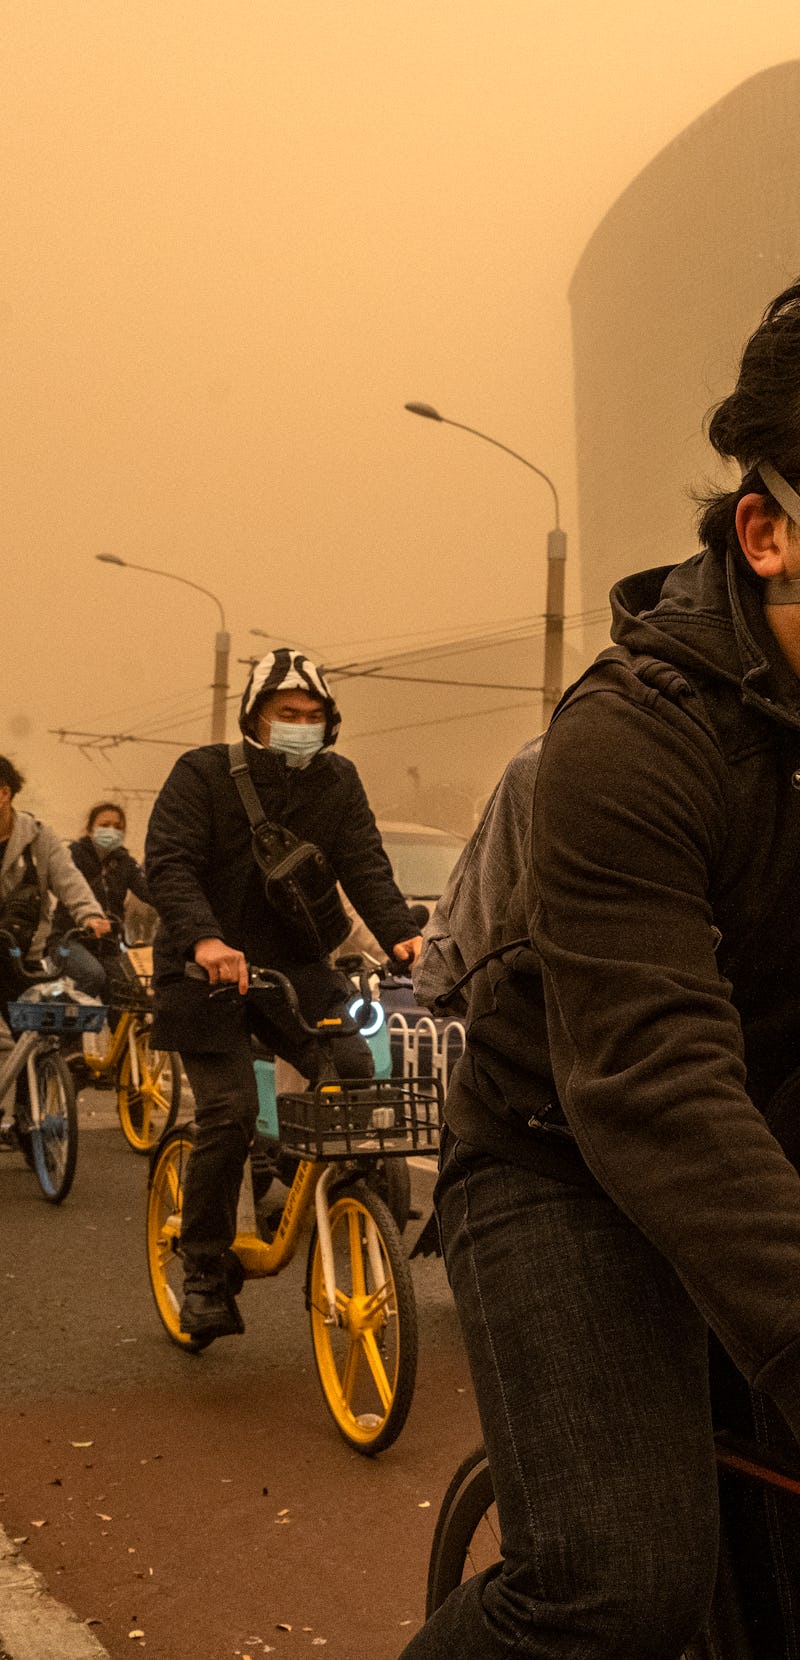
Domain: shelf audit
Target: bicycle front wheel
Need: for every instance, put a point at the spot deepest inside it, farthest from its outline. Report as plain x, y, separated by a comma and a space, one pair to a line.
147, 1110
391, 1180
54, 1140
365, 1348
164, 1206
467, 1536
467, 1540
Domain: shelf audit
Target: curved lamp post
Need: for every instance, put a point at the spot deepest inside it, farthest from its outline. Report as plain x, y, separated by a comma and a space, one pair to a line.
222, 640
556, 559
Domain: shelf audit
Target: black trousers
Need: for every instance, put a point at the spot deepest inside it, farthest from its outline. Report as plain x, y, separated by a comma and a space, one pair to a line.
226, 1107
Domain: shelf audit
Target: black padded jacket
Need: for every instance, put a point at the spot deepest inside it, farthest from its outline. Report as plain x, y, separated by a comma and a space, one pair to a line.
205, 884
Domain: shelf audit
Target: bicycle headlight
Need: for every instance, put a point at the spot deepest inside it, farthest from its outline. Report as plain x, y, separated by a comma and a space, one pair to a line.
375, 1023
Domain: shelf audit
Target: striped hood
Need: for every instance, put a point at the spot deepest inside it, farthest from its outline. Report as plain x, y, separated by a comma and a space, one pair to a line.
282, 671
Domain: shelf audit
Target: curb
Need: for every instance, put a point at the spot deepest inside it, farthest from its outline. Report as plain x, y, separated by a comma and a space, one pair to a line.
33, 1626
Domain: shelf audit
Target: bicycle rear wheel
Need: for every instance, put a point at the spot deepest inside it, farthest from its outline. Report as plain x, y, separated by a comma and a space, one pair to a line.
164, 1206
366, 1356
54, 1140
147, 1110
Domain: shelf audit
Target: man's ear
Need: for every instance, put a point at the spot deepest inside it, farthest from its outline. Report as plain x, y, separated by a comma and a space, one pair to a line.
763, 536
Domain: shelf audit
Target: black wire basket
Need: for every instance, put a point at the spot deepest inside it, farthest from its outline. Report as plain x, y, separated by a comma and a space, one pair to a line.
386, 1118
129, 988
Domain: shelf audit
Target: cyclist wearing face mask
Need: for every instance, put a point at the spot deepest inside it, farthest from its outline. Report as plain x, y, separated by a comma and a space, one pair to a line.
213, 910
112, 872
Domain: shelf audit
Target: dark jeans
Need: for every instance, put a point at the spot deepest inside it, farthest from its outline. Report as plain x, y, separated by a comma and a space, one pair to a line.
226, 1108
591, 1374
81, 965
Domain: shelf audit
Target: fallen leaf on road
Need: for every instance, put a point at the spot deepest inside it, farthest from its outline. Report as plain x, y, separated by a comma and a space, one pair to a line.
424, 1504
22, 1539
136, 1633
101, 1517
284, 1511
316, 1642
56, 1482
40, 1524
81, 1443
282, 1626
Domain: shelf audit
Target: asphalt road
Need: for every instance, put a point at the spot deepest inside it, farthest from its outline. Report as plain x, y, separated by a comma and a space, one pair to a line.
206, 1502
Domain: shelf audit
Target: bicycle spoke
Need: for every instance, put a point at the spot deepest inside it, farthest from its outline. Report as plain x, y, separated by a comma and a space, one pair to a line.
156, 1100
350, 1372
372, 1356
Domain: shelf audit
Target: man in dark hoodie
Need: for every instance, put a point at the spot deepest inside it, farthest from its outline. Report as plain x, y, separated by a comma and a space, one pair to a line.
209, 893
614, 1177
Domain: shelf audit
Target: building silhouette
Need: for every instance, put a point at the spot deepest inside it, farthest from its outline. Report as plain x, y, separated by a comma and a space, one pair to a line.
671, 284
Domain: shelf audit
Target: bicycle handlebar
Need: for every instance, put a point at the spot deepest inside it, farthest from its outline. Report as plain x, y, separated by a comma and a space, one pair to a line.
270, 979
37, 978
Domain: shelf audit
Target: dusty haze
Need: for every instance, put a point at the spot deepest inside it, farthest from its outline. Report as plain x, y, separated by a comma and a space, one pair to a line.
237, 239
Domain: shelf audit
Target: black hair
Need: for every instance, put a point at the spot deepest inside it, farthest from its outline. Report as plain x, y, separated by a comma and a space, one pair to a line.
760, 420
10, 775
106, 807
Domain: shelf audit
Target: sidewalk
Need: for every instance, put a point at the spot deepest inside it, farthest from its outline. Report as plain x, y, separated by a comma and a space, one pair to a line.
33, 1626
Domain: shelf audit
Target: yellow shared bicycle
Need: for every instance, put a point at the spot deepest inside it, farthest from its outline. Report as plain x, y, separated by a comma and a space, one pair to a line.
147, 1081
358, 1289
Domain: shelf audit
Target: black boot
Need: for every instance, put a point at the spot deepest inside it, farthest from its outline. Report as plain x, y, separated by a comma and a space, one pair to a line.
209, 1306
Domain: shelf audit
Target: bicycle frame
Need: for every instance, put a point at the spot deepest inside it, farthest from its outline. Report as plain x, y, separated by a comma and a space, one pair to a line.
262, 1259
16, 1060
124, 1035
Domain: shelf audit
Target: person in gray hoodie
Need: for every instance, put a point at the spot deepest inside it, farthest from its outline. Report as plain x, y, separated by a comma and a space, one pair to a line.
27, 845
619, 1172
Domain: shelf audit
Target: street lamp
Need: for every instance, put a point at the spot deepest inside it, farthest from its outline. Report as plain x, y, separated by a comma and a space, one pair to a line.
556, 558
222, 641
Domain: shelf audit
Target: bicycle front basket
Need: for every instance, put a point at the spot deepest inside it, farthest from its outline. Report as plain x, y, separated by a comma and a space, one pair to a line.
386, 1117
53, 1016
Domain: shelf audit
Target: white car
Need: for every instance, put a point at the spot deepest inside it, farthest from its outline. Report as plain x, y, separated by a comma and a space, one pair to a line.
421, 857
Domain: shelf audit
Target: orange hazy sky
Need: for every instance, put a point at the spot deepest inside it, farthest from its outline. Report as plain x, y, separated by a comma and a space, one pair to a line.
237, 238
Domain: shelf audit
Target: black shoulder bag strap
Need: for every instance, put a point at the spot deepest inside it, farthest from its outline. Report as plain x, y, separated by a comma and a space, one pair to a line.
298, 881
240, 773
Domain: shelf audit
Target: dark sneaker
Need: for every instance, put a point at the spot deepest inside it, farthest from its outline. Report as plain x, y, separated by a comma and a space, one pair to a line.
210, 1314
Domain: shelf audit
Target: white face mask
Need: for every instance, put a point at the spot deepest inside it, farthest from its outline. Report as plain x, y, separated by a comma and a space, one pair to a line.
106, 837
298, 742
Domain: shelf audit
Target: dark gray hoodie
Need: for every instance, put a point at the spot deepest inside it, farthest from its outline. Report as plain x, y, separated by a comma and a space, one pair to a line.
659, 1006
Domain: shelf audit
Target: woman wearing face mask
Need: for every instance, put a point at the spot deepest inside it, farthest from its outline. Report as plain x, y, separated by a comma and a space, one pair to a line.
112, 872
